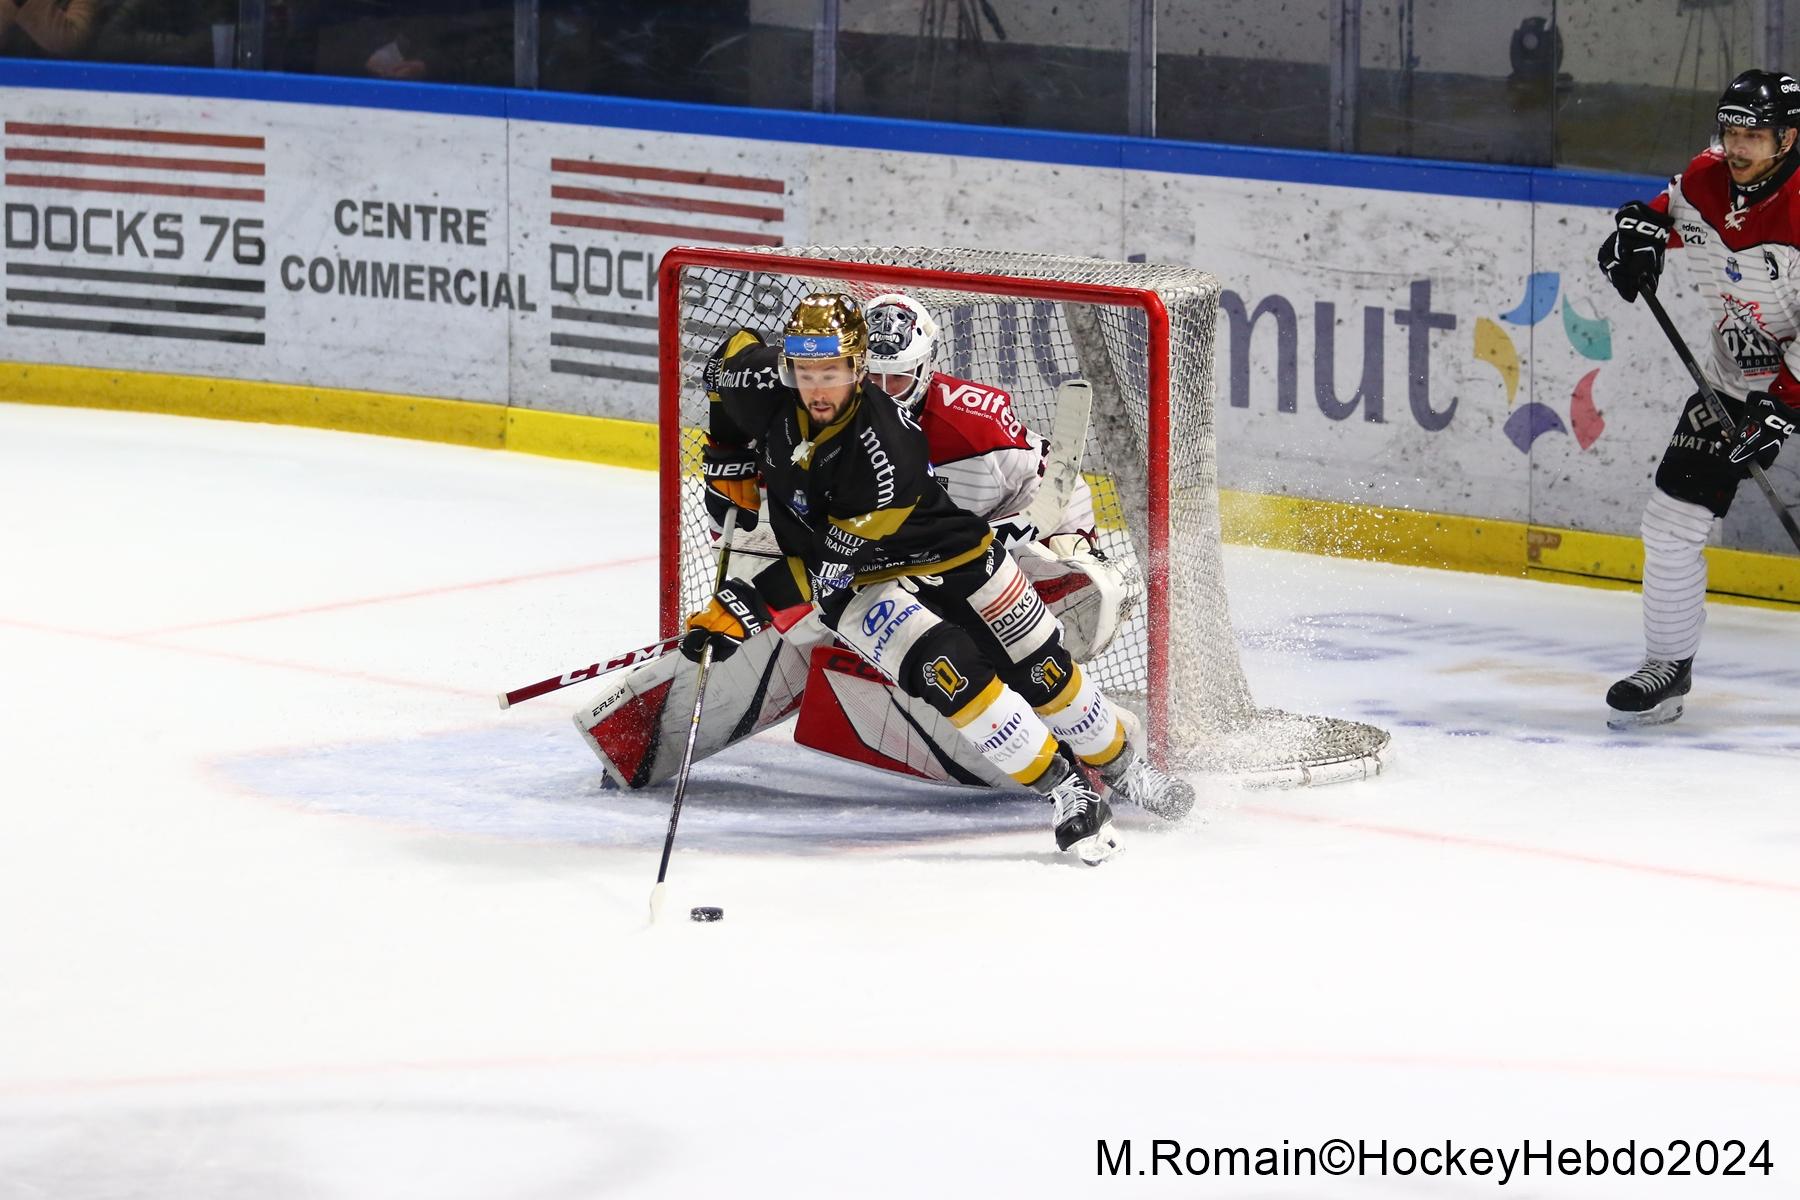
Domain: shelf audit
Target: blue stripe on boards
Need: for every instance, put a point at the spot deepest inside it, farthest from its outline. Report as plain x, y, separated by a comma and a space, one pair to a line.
1427, 176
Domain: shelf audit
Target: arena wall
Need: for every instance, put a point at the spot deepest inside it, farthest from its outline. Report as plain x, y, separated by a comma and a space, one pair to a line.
1416, 360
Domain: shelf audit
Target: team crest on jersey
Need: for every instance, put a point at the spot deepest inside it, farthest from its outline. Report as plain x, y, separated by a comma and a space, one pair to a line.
1747, 339
941, 674
1731, 270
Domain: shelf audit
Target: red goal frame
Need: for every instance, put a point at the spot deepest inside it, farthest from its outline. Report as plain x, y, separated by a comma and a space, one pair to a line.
1010, 286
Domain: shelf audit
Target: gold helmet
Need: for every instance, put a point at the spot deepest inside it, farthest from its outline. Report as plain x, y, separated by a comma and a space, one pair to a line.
826, 325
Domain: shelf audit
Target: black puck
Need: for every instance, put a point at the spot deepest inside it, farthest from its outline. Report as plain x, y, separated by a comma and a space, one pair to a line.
707, 913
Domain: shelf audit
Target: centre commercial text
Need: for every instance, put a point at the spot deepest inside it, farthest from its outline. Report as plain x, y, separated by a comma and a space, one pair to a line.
381, 280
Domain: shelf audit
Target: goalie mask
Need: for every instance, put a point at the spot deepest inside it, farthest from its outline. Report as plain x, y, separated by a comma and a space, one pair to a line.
902, 337
825, 325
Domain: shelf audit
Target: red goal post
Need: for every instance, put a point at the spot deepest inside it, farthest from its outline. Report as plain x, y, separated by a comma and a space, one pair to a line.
1142, 335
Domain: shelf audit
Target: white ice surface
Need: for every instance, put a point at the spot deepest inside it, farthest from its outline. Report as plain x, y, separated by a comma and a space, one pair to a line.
289, 908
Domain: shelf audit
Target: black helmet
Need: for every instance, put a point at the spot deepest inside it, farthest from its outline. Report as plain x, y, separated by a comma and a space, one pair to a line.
1761, 100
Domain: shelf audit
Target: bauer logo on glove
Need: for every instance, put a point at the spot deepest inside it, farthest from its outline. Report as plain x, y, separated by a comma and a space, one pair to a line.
734, 615
733, 485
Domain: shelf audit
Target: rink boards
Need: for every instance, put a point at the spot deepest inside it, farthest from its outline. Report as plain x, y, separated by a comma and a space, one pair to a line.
478, 266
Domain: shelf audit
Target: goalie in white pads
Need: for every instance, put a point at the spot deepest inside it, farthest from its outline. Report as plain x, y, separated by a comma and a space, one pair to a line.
997, 468
914, 585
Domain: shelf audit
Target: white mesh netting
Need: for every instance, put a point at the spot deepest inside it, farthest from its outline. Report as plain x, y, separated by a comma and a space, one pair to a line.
1175, 660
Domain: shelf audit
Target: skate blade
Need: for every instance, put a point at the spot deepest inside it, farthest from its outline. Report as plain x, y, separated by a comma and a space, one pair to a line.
1100, 846
1662, 714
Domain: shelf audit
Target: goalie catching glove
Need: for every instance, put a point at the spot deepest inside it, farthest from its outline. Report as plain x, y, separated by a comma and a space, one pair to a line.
1632, 255
1766, 424
733, 616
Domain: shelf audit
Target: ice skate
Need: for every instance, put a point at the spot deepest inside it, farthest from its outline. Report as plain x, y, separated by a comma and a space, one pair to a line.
1651, 695
1132, 776
1082, 819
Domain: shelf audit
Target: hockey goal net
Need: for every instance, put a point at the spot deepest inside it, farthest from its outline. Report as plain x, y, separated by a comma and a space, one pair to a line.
1142, 336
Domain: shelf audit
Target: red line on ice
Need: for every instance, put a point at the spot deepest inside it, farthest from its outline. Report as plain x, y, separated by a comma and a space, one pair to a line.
143, 641
1545, 852
447, 589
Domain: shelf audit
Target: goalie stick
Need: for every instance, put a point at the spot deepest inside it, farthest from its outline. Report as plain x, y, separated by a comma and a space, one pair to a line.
785, 619
555, 683
1068, 441
1717, 408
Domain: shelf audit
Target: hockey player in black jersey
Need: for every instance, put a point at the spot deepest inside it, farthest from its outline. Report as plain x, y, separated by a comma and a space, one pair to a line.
914, 584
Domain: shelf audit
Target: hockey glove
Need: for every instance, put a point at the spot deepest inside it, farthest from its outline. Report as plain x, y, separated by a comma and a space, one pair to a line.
734, 615
732, 485
1632, 254
1766, 424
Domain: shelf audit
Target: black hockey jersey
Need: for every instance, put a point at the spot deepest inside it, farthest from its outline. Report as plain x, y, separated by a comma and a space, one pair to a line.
855, 499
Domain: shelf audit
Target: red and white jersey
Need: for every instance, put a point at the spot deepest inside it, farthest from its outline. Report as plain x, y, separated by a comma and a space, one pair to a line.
986, 458
1750, 256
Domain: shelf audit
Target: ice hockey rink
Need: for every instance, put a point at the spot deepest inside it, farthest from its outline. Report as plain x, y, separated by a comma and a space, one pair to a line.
289, 908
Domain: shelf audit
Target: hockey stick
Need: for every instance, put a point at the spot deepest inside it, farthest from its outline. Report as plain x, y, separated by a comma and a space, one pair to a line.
687, 751
1717, 407
1068, 442
630, 658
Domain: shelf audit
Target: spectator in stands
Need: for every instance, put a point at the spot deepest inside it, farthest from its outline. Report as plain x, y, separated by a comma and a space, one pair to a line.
443, 41
176, 33
46, 28
689, 50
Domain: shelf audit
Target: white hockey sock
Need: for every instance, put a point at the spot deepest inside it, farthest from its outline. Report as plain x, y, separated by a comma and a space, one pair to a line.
1674, 575
1082, 716
1007, 732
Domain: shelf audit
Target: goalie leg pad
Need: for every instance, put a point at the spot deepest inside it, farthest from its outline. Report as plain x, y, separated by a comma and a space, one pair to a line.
854, 712
638, 726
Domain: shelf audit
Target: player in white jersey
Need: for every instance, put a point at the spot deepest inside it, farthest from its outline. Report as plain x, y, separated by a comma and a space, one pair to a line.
1735, 213
993, 465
